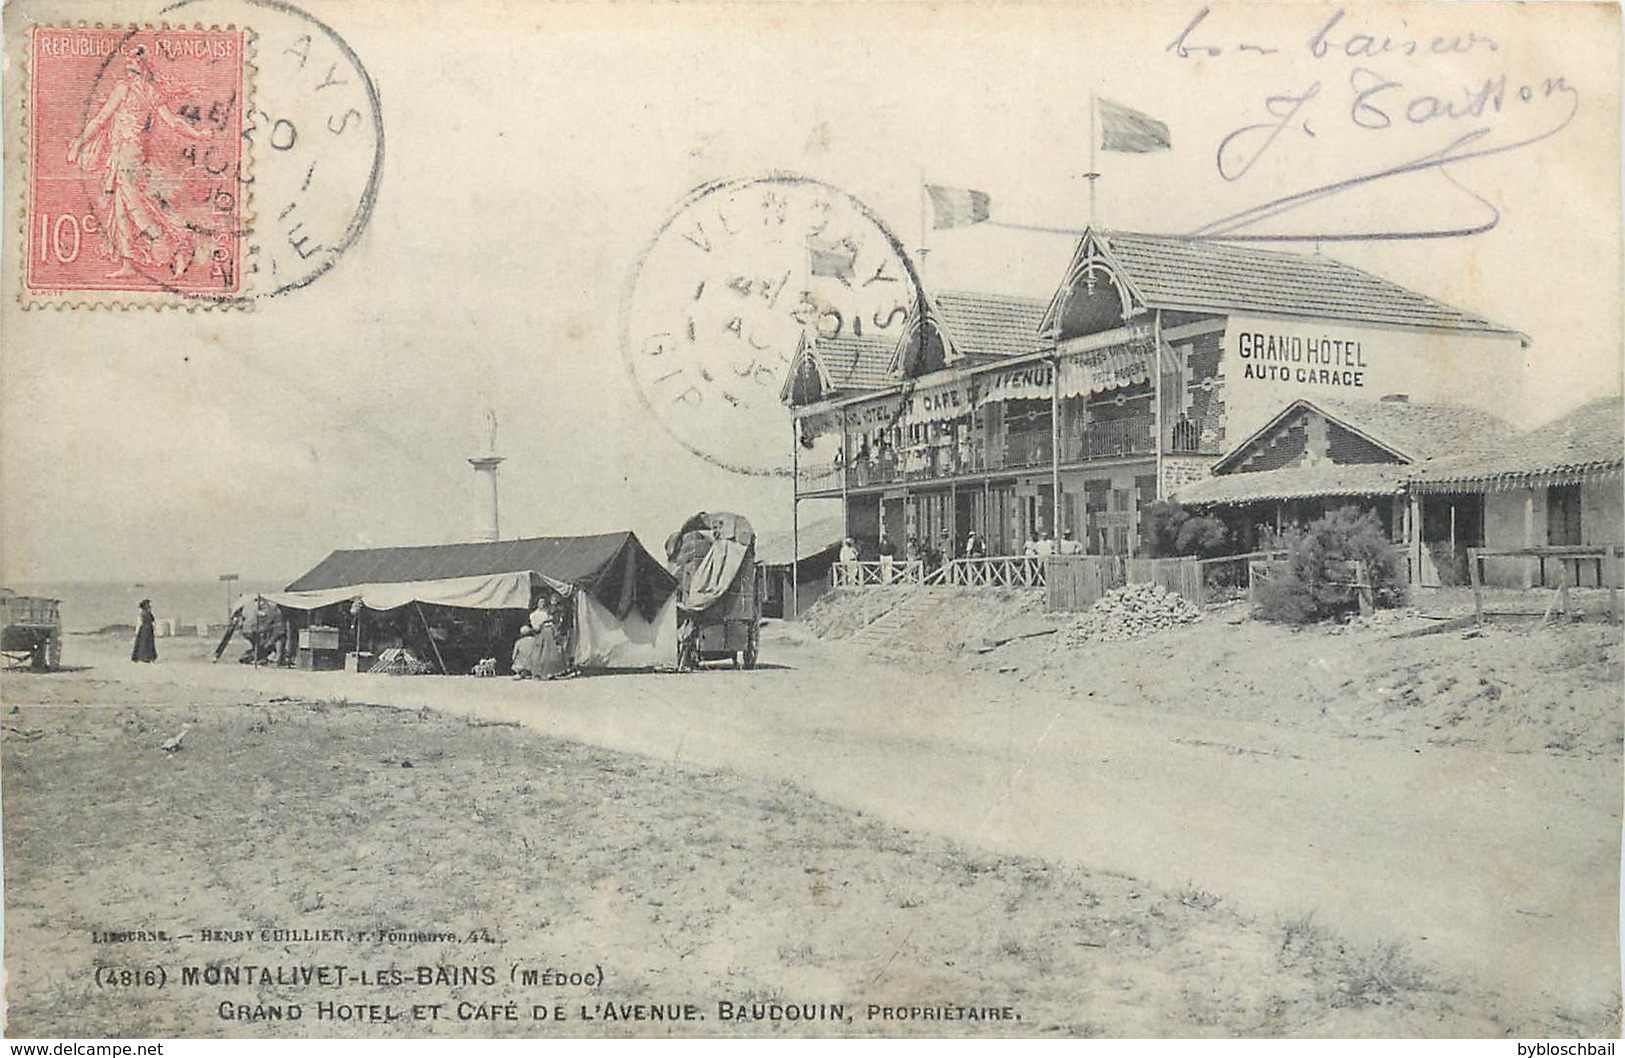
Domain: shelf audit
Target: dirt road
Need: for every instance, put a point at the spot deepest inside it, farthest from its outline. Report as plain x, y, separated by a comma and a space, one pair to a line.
1501, 867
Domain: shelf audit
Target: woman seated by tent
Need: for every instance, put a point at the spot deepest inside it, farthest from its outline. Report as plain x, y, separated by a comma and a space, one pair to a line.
539, 652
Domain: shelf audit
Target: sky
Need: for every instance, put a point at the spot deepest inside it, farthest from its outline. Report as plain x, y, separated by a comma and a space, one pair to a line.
534, 150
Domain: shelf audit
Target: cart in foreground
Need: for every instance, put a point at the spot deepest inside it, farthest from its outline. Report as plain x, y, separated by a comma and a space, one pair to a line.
30, 631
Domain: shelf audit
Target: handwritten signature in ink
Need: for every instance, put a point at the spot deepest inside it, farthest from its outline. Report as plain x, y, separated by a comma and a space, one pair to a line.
1375, 102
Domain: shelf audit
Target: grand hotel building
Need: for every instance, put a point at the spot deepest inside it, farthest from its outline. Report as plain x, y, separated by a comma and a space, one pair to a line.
1153, 359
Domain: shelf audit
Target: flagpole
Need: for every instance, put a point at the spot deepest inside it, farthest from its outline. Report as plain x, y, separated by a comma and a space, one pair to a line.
924, 249
1093, 174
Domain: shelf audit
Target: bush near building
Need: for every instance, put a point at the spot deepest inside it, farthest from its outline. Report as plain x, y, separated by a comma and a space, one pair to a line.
1168, 530
1323, 564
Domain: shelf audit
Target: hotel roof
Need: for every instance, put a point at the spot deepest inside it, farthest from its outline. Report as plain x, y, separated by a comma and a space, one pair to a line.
1173, 272
1589, 440
990, 326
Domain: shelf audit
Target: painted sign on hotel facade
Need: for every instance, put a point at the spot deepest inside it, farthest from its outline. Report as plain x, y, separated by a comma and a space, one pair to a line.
1271, 361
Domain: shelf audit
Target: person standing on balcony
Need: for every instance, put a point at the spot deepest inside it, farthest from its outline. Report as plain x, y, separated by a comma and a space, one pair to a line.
888, 554
1068, 546
1031, 550
974, 547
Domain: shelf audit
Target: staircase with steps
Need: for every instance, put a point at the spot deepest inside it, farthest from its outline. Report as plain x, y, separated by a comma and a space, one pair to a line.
884, 635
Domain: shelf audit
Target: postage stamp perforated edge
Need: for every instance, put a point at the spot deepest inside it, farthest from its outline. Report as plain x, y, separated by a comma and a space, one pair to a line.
123, 300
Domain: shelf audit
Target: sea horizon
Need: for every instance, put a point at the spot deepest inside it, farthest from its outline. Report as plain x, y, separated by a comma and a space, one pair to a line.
91, 605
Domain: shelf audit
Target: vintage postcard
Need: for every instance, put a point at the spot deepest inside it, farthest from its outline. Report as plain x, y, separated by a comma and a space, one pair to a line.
970, 520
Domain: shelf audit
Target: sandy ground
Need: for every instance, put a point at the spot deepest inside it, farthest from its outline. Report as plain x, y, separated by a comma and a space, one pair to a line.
1309, 785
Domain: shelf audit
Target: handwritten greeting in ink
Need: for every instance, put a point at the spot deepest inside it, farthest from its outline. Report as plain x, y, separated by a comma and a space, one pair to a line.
1454, 93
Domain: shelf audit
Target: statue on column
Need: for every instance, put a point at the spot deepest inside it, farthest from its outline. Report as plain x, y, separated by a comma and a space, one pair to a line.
488, 430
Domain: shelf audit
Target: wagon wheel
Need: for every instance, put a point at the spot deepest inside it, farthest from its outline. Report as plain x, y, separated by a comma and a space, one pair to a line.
53, 652
750, 647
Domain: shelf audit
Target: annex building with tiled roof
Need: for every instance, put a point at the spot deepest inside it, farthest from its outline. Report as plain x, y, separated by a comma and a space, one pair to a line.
1154, 359
1444, 479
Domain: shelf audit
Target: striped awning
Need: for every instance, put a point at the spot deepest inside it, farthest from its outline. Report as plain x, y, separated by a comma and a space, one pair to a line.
1098, 370
1027, 381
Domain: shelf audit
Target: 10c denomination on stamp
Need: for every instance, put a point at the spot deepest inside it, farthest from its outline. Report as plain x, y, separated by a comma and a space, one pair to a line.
136, 164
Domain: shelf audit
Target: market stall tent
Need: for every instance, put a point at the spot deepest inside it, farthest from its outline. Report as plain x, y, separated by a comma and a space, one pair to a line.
624, 600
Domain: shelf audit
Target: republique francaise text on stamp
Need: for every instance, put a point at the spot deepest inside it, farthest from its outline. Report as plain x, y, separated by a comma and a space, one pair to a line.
136, 164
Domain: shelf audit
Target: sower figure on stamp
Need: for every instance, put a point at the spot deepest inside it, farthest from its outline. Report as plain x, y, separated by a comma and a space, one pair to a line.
146, 641
139, 226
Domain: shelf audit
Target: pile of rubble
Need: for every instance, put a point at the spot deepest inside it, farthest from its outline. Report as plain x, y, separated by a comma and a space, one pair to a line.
1129, 612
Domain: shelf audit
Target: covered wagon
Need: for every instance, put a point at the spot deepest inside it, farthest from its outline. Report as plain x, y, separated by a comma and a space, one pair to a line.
720, 587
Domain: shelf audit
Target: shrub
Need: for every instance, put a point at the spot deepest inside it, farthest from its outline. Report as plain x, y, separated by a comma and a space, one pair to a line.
1283, 598
1315, 580
1168, 530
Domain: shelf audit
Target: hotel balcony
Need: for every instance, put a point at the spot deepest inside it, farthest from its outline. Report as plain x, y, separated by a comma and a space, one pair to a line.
944, 461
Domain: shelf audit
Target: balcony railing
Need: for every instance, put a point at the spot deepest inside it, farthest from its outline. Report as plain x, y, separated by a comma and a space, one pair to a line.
818, 477
1026, 450
1119, 437
938, 461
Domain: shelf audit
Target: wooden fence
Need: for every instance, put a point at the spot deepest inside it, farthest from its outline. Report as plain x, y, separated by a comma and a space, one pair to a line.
1553, 564
1182, 576
1077, 581
1020, 571
1231, 577
865, 574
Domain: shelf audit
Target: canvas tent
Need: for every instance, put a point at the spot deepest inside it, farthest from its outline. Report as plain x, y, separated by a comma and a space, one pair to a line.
625, 600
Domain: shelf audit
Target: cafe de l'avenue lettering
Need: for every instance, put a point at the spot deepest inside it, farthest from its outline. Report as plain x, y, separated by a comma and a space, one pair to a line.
1020, 383
870, 416
1291, 358
939, 402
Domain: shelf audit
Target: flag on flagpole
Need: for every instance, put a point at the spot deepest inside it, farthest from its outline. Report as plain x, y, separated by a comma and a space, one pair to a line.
1129, 131
956, 207
835, 259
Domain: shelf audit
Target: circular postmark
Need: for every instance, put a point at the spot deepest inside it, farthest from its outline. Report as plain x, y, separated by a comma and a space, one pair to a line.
739, 277
213, 164
314, 125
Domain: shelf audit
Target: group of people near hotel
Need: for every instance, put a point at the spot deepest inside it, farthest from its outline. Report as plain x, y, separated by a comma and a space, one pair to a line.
1043, 547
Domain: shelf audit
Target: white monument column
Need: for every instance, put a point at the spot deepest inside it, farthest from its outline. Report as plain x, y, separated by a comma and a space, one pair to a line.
485, 497
486, 524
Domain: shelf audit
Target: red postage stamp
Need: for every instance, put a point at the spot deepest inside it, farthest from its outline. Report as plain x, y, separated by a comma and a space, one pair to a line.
136, 167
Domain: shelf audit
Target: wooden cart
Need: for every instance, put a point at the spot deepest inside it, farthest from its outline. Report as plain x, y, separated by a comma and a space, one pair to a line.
731, 629
30, 631
716, 626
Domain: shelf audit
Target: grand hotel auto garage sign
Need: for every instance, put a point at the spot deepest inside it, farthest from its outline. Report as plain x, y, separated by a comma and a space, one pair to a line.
1332, 359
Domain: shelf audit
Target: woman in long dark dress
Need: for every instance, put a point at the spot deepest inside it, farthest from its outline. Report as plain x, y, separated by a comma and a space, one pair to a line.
146, 641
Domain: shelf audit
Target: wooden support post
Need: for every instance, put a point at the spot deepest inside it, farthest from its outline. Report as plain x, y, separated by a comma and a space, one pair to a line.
1413, 538
1615, 559
846, 472
795, 511
1156, 395
1478, 587
1055, 446
1529, 539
